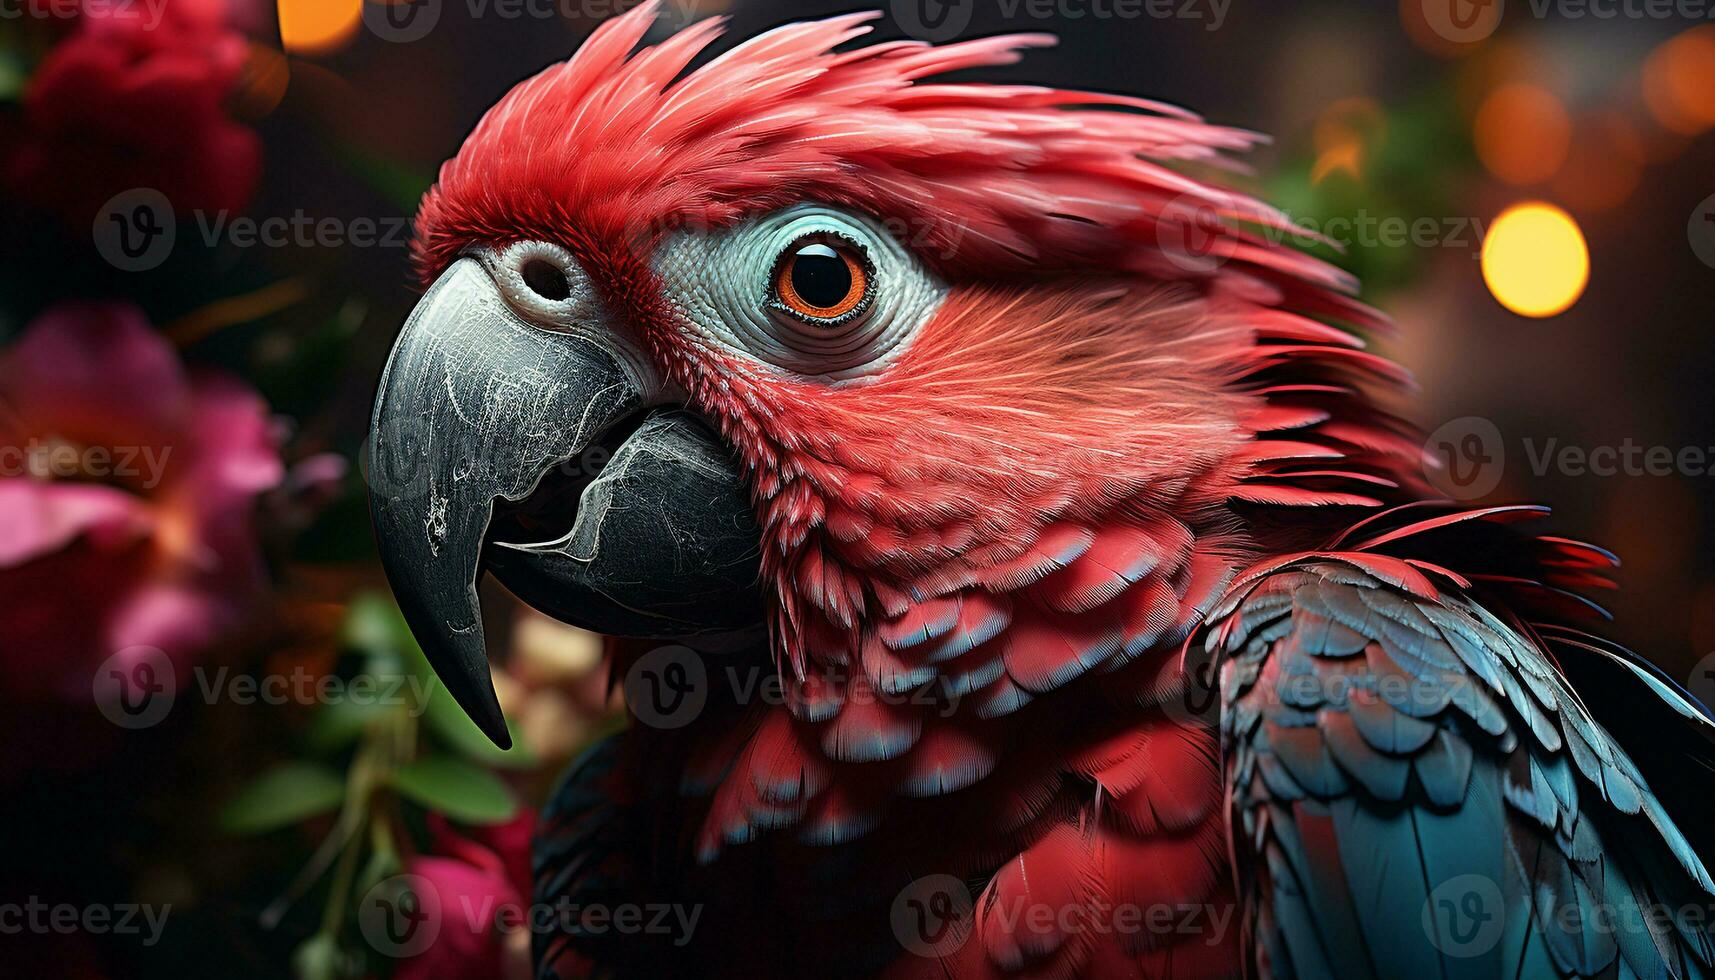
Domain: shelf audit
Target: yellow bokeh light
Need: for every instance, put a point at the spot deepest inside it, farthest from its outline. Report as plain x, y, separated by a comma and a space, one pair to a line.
318, 26
1535, 261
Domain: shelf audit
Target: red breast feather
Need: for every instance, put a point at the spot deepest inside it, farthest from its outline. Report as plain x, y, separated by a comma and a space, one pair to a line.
981, 561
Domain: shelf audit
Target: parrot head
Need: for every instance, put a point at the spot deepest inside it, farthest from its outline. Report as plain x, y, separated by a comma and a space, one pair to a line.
911, 380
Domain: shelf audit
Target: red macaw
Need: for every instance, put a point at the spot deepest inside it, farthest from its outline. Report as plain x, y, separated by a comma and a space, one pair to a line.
1049, 592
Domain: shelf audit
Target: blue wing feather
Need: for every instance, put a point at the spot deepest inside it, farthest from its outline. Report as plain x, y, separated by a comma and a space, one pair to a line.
1416, 791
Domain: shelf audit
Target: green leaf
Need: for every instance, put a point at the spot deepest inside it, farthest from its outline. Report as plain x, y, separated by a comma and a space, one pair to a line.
456, 788
375, 625
319, 958
284, 795
443, 716
337, 724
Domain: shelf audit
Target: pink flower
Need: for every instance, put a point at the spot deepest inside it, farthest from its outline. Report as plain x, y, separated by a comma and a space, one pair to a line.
508, 843
128, 490
479, 902
135, 97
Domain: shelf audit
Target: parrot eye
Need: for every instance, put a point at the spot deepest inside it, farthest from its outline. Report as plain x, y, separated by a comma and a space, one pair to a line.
822, 279
812, 290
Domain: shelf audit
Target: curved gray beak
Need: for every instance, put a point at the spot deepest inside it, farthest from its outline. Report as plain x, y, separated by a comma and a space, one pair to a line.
498, 444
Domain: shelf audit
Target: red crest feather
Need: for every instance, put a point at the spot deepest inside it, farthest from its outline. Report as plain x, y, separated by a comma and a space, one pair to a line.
1046, 492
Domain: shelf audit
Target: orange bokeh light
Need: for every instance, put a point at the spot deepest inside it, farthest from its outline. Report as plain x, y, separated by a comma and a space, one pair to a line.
1522, 133
318, 26
1679, 81
1413, 17
1344, 134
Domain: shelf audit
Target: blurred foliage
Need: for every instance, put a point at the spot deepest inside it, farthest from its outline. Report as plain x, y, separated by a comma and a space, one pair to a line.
379, 763
1412, 166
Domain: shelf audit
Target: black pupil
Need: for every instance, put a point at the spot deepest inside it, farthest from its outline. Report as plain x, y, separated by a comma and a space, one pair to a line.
819, 276
546, 280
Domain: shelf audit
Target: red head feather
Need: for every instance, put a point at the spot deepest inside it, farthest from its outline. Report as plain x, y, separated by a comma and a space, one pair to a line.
1056, 476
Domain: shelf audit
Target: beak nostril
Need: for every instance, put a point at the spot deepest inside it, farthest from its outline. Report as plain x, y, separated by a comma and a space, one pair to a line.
546, 280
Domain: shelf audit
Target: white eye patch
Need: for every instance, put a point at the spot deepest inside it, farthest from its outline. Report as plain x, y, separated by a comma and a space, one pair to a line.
811, 290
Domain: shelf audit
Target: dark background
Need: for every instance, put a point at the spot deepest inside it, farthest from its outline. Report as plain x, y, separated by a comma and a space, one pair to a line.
1631, 360
356, 127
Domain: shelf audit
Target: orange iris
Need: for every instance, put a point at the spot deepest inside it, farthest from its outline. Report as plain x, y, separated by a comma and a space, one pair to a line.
809, 281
